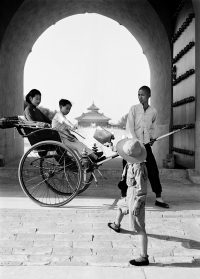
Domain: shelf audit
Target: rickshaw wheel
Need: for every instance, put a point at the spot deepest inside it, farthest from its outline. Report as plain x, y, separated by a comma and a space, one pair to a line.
50, 174
84, 185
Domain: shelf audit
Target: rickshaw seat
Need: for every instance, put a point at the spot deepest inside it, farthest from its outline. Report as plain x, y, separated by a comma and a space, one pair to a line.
38, 135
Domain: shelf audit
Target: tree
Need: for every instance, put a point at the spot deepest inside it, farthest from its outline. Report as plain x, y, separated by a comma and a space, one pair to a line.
122, 121
49, 113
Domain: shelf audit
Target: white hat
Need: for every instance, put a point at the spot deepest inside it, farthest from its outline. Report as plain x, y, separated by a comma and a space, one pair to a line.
132, 150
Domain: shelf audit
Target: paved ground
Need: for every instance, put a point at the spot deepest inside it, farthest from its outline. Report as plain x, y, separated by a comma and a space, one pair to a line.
75, 242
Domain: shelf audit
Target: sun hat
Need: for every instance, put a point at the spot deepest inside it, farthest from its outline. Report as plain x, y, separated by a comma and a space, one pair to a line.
131, 150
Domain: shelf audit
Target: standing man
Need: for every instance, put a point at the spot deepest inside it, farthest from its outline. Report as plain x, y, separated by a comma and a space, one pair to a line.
141, 125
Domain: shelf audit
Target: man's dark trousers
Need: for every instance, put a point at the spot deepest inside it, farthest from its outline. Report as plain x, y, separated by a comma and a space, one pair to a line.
153, 173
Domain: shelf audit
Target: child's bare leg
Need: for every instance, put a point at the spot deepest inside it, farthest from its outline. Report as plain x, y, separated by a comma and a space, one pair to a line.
143, 240
116, 225
143, 259
119, 217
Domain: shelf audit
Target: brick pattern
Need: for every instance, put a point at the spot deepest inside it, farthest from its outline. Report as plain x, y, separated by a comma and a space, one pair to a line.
77, 237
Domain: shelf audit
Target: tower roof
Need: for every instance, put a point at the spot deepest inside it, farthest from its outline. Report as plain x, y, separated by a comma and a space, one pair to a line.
93, 107
93, 115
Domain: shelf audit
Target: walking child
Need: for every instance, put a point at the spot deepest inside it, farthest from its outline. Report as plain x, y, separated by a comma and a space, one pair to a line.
134, 152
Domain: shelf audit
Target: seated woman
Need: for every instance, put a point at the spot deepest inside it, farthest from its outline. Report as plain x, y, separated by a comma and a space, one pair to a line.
32, 113
62, 124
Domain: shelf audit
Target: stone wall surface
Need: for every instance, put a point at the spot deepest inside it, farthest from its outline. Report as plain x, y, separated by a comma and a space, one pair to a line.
196, 5
184, 113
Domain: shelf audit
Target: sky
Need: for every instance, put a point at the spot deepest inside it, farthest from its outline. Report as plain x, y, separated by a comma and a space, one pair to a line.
87, 58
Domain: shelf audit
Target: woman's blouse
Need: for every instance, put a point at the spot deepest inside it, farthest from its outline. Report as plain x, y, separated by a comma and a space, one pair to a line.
32, 113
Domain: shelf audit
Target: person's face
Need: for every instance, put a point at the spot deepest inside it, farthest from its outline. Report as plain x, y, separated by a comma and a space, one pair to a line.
36, 100
143, 96
65, 109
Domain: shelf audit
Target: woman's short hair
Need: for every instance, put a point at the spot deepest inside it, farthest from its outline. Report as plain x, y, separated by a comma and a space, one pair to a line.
32, 94
64, 102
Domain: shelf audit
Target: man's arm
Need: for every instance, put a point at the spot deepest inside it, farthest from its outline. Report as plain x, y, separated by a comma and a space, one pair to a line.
130, 124
153, 126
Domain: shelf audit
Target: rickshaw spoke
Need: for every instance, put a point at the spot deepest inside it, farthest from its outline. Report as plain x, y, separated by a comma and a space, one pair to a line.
50, 174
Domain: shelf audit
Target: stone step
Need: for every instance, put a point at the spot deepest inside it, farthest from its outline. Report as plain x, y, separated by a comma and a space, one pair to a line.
82, 238
11, 170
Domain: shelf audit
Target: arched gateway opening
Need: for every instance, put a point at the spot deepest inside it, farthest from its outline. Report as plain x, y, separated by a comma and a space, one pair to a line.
33, 17
87, 58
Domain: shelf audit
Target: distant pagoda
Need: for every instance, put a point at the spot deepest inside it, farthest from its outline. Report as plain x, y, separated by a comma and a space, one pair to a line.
93, 118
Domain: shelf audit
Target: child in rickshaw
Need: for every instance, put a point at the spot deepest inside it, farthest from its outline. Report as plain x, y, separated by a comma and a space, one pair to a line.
63, 126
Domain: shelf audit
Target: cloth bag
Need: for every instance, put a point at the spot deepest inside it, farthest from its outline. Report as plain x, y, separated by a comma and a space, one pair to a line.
102, 135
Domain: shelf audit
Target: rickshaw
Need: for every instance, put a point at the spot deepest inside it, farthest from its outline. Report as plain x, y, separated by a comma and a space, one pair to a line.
50, 173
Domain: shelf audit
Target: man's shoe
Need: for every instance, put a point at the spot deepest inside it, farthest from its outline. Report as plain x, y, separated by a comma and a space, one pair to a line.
140, 261
162, 204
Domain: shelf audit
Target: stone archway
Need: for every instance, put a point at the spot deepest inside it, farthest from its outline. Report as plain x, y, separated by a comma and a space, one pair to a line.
34, 17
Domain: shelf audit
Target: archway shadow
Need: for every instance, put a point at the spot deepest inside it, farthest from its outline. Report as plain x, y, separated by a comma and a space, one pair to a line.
186, 243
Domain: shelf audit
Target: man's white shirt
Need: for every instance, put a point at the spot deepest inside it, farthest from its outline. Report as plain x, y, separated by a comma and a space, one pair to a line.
140, 123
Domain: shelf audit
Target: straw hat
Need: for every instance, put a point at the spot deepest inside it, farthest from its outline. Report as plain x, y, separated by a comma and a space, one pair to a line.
131, 150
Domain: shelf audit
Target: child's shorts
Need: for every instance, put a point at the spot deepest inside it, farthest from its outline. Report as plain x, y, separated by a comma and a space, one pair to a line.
136, 223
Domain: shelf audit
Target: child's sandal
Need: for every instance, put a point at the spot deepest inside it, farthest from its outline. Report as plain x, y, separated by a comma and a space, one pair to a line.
114, 227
